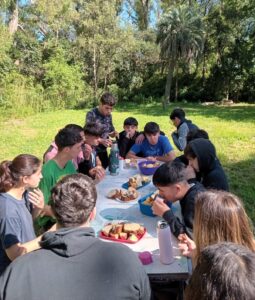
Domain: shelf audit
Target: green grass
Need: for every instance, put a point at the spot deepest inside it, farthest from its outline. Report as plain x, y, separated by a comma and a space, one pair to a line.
231, 129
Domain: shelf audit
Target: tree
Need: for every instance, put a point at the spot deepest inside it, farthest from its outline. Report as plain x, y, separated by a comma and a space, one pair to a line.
180, 36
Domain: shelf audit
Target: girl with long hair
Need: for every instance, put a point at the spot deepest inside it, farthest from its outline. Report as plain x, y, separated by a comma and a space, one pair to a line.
18, 207
219, 217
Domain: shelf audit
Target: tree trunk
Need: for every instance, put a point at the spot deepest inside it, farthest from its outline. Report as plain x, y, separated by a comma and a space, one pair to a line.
14, 19
169, 82
176, 84
94, 76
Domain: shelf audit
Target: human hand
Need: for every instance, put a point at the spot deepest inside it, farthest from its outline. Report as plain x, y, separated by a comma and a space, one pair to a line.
114, 134
106, 142
139, 139
151, 158
190, 172
99, 173
159, 207
87, 151
36, 198
187, 246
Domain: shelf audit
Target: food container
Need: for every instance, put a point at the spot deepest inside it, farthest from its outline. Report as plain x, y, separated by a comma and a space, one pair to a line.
147, 209
145, 168
138, 235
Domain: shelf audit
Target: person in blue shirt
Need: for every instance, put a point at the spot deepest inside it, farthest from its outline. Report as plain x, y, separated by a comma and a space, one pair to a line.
154, 147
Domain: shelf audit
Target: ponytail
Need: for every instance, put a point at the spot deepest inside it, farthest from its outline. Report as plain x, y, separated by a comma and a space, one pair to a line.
12, 171
6, 180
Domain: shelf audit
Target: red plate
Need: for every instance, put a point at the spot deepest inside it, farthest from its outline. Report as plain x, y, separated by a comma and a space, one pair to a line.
102, 236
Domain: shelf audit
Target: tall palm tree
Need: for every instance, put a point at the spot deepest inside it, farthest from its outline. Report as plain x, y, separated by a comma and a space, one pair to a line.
180, 36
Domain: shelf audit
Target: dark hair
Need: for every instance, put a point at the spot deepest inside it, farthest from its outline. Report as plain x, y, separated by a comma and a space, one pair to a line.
94, 129
108, 99
197, 134
74, 127
189, 152
12, 171
224, 271
151, 128
130, 121
67, 137
177, 113
73, 199
169, 173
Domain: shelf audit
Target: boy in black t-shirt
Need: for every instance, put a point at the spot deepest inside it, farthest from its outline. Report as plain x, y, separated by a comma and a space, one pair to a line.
128, 136
171, 181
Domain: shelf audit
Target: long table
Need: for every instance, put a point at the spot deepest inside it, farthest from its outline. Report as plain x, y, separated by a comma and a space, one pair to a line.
109, 210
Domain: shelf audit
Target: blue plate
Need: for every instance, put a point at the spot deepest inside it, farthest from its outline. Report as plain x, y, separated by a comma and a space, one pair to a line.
126, 186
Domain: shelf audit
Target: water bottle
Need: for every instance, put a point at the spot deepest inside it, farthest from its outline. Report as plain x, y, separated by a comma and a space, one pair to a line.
165, 244
114, 160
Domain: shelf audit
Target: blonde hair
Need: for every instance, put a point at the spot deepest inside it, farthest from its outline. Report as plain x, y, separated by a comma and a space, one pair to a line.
220, 217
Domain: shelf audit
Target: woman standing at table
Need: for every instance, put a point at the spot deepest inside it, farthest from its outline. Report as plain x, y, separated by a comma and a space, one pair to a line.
219, 217
18, 207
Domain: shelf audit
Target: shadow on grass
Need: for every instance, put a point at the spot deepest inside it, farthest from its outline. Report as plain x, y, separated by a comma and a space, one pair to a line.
241, 177
241, 113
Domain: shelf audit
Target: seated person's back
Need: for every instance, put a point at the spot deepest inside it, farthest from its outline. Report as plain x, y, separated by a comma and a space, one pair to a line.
73, 263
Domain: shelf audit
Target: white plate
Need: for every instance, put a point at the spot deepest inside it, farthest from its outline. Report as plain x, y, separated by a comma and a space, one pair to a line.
119, 200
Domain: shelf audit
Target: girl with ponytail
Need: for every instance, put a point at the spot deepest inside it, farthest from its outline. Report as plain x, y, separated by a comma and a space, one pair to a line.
20, 202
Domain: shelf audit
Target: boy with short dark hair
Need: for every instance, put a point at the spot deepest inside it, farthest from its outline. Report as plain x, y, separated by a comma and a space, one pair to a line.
102, 115
128, 136
171, 181
69, 144
53, 149
154, 147
183, 127
91, 165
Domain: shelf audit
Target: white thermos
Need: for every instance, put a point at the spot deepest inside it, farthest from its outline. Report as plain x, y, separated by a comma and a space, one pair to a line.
165, 243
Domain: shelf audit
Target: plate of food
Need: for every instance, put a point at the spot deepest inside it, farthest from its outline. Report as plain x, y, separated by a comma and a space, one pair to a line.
138, 181
121, 195
148, 167
124, 232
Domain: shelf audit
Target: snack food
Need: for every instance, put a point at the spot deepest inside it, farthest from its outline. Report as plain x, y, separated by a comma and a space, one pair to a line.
138, 181
123, 195
151, 165
150, 199
123, 232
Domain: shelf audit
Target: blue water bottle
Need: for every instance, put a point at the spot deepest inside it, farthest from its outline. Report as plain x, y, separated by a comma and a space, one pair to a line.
114, 160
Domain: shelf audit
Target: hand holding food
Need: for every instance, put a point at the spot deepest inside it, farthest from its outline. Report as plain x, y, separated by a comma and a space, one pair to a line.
159, 207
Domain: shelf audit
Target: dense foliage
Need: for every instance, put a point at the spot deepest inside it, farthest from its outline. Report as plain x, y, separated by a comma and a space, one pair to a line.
63, 54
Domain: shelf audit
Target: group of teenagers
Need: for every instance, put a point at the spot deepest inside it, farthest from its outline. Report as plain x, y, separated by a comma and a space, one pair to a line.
57, 197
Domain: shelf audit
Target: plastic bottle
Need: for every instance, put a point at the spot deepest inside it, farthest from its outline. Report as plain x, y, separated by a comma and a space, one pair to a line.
114, 159
165, 244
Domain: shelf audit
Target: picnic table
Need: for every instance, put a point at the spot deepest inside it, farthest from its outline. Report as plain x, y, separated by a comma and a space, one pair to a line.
111, 210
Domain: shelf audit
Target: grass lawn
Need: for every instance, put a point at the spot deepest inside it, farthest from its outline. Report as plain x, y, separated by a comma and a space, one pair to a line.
231, 129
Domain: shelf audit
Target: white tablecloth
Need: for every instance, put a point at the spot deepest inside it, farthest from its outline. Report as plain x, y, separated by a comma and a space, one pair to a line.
108, 210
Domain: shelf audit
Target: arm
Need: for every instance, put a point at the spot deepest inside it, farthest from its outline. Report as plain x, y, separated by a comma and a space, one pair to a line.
168, 157
123, 144
135, 149
161, 209
180, 138
20, 249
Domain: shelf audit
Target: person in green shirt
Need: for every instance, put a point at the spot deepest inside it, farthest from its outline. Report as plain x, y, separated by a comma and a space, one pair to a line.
69, 143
